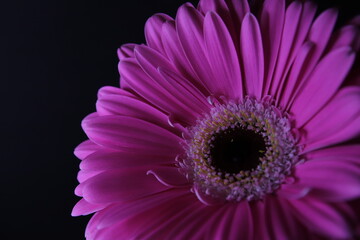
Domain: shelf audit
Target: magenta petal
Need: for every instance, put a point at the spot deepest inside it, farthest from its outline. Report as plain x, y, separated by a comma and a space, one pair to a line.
84, 175
189, 24
150, 61
128, 105
332, 178
319, 34
193, 223
85, 208
120, 186
185, 91
346, 36
212, 225
206, 6
85, 149
91, 228
272, 22
218, 226
291, 21
238, 9
108, 90
252, 56
153, 29
345, 126
221, 9
158, 223
297, 24
347, 151
124, 133
283, 224
206, 199
223, 57
141, 83
202, 221
169, 176
242, 223
293, 191
322, 84
331, 220
176, 54
296, 75
126, 51
107, 160
123, 211
150, 89
258, 216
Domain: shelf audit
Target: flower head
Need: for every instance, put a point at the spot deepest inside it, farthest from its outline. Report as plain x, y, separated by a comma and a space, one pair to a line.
229, 123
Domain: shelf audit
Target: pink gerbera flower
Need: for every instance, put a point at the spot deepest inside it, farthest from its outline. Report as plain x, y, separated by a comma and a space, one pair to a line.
228, 124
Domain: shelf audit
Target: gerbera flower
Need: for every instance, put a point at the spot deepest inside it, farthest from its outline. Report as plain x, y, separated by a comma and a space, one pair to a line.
228, 124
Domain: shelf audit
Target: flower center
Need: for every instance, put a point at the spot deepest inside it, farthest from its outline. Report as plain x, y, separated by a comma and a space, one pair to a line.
236, 149
240, 150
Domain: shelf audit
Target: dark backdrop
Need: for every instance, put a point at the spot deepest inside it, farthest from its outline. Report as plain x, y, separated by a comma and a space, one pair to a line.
55, 55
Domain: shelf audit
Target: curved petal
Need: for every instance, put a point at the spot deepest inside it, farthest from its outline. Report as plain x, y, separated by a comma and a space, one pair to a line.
346, 151
150, 61
333, 220
129, 209
223, 57
197, 223
153, 29
125, 133
169, 176
331, 178
153, 91
206, 6
291, 24
319, 34
339, 121
205, 198
212, 227
242, 223
259, 217
120, 185
186, 92
298, 18
238, 9
221, 9
346, 36
84, 208
176, 55
189, 25
108, 160
271, 24
109, 90
84, 175
158, 223
126, 51
322, 84
296, 75
129, 105
293, 190
91, 228
283, 224
85, 148
252, 56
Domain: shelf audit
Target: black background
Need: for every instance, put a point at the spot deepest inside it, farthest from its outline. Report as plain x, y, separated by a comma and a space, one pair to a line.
55, 55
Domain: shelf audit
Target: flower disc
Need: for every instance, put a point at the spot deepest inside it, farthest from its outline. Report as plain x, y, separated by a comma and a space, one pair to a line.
241, 150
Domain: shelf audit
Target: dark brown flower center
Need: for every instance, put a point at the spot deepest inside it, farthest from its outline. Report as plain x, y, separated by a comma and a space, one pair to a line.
236, 149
